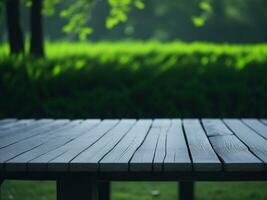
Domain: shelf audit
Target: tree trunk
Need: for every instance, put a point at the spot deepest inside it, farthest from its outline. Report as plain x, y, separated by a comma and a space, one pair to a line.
37, 40
15, 36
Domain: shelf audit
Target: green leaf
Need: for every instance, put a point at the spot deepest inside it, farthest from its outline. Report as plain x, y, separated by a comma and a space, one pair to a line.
204, 5
198, 21
139, 4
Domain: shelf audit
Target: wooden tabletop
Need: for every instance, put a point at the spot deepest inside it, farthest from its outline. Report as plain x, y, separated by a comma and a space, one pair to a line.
129, 145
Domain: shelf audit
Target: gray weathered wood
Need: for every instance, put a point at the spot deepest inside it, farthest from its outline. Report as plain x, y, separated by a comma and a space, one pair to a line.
23, 146
177, 153
255, 143
235, 155
257, 126
6, 121
203, 156
31, 125
118, 158
215, 127
264, 121
15, 125
19, 163
117, 146
58, 159
89, 158
160, 150
78, 188
79, 145
21, 135
142, 159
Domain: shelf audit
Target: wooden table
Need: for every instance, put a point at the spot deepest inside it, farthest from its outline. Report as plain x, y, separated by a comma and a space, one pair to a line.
83, 156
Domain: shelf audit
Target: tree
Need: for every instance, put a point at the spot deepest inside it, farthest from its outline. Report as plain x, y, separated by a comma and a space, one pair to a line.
36, 24
15, 35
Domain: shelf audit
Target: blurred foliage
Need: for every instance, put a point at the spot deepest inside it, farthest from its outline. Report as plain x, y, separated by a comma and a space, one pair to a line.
189, 20
118, 11
78, 14
136, 79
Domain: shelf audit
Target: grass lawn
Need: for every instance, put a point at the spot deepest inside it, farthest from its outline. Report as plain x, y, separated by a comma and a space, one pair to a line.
27, 190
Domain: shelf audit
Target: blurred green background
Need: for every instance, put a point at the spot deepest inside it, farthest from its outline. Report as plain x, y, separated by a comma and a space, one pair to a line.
134, 59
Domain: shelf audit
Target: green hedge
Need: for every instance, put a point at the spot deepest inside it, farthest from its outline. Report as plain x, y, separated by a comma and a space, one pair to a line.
116, 80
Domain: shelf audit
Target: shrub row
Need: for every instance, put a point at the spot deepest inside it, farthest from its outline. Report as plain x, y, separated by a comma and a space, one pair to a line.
112, 83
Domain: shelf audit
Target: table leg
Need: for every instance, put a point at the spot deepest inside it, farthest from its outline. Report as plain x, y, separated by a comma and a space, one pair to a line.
1, 181
78, 188
104, 190
186, 191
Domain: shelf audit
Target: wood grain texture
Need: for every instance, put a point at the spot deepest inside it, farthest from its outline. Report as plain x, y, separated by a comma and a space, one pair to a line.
25, 127
177, 153
234, 154
118, 158
215, 127
19, 163
23, 146
257, 126
16, 125
6, 121
88, 159
203, 156
264, 121
133, 146
160, 151
22, 135
58, 159
256, 143
142, 159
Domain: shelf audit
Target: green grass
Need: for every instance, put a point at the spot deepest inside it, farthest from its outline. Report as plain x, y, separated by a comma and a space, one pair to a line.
135, 79
27, 190
203, 53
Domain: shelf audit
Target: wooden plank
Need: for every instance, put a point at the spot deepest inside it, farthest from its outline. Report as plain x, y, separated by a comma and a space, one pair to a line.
215, 127
256, 126
15, 124
235, 155
177, 153
264, 121
11, 123
118, 158
23, 146
160, 151
58, 159
21, 135
7, 121
255, 143
31, 125
203, 156
142, 159
88, 159
19, 163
